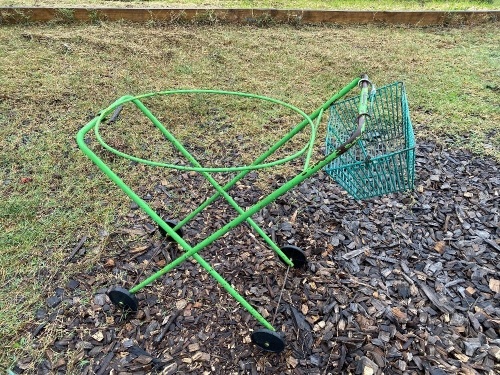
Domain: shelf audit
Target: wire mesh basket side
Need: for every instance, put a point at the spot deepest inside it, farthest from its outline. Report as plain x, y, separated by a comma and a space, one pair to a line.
383, 160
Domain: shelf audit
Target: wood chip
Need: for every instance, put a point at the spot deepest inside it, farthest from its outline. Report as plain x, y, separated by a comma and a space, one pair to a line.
201, 356
304, 308
440, 246
170, 369
494, 285
366, 367
439, 301
292, 362
98, 336
180, 304
353, 253
399, 314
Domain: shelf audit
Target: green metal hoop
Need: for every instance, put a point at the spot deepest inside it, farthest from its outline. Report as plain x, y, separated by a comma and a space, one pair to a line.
126, 99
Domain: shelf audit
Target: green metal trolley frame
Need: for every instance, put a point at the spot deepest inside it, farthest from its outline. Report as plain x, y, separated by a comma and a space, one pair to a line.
267, 338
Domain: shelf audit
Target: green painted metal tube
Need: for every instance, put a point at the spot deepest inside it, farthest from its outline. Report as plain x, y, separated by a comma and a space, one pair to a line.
170, 137
274, 148
142, 204
309, 152
274, 195
253, 166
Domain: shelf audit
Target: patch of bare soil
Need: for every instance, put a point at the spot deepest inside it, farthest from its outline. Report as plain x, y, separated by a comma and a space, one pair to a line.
402, 284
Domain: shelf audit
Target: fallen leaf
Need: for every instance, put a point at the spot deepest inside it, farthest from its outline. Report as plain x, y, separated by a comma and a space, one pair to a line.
139, 249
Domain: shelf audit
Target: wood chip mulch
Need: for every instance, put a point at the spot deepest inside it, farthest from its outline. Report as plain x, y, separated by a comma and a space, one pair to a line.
402, 284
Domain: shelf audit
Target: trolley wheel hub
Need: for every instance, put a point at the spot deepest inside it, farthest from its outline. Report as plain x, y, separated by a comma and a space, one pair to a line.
296, 255
268, 340
123, 299
171, 224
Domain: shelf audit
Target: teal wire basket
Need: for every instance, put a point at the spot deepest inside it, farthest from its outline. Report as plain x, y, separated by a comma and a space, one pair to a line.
383, 160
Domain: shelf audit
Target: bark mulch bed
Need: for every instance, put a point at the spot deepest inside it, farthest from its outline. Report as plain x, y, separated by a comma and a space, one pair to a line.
402, 284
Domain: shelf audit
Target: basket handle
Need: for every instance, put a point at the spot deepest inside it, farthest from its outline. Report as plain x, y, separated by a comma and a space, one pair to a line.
364, 82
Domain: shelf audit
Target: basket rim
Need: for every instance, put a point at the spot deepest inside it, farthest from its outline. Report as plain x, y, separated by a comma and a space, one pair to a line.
384, 87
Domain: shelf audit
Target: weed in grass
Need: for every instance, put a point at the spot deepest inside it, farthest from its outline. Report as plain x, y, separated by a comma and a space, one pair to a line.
64, 15
17, 16
184, 69
206, 18
96, 17
265, 20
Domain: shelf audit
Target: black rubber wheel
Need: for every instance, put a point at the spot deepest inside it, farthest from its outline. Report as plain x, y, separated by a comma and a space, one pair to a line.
268, 340
171, 224
123, 299
296, 255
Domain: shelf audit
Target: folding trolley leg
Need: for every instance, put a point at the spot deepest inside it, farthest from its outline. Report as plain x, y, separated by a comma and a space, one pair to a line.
125, 299
285, 255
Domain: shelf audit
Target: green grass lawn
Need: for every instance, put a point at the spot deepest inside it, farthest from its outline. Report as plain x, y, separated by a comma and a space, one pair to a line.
293, 4
55, 77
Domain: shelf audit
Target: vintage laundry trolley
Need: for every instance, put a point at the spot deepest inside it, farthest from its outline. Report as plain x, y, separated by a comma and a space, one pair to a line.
369, 151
